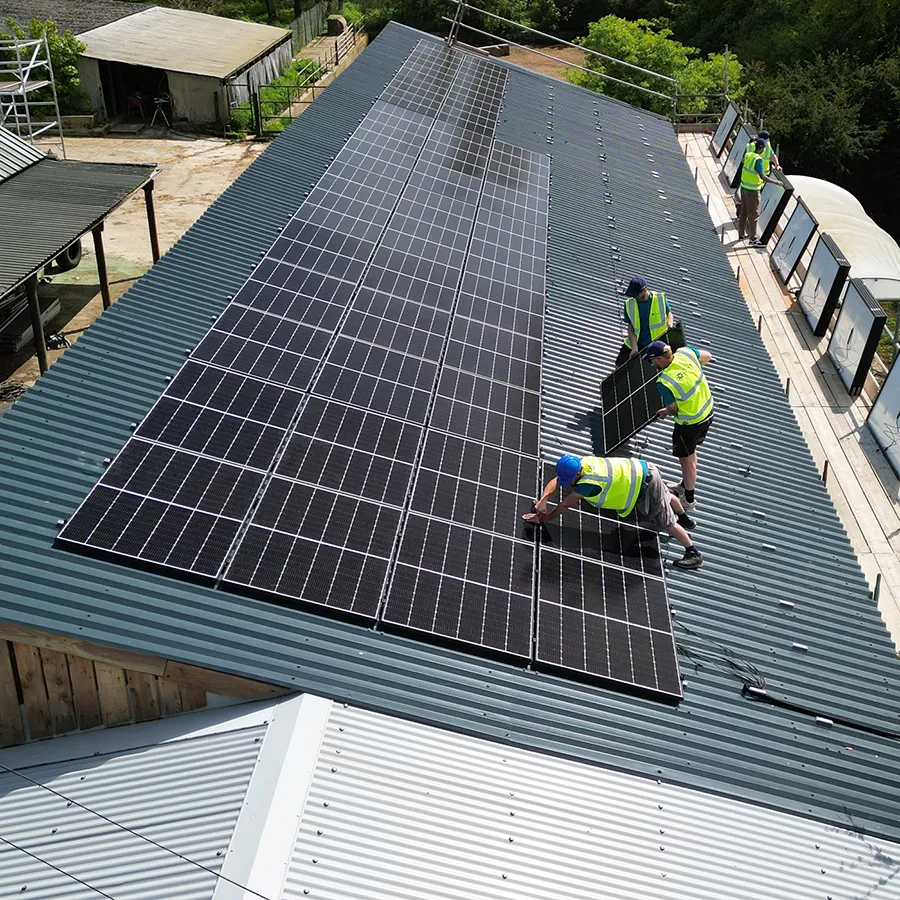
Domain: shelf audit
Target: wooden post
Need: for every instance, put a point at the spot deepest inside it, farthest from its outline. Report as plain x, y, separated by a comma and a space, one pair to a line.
151, 220
34, 308
97, 234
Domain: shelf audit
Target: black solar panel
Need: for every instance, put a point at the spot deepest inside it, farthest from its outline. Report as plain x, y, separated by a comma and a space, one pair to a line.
605, 623
464, 585
630, 401
359, 429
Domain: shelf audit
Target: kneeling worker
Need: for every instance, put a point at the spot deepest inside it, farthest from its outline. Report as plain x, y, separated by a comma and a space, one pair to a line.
686, 395
621, 484
647, 315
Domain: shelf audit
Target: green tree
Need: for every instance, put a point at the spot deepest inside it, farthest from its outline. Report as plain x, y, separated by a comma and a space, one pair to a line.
819, 109
650, 45
64, 50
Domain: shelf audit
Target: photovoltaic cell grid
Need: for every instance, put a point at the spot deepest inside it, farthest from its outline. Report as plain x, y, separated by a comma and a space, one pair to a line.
240, 475
630, 400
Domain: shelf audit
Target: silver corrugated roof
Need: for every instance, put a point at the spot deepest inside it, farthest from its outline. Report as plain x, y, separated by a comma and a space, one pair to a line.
16, 154
397, 809
52, 203
53, 442
180, 782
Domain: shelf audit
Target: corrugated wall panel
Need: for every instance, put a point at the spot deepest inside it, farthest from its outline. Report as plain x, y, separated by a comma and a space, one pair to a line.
404, 811
184, 795
52, 444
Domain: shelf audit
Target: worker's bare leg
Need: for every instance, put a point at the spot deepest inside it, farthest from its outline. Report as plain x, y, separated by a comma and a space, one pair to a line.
680, 534
689, 471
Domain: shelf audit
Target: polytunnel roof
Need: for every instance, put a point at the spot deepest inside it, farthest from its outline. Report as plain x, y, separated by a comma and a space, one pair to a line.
872, 253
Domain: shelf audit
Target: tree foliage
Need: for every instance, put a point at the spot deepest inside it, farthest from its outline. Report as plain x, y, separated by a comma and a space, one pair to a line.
64, 50
650, 45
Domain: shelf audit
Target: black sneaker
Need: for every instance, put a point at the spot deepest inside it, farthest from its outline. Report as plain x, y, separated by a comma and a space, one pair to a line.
692, 559
686, 522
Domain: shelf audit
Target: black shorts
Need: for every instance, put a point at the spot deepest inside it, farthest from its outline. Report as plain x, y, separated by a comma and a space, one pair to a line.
687, 438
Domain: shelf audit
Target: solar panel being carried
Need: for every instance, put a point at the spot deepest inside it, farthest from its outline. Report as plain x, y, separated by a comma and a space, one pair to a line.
359, 430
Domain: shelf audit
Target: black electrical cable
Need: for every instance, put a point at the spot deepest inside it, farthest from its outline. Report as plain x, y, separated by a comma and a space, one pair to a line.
137, 834
56, 868
754, 683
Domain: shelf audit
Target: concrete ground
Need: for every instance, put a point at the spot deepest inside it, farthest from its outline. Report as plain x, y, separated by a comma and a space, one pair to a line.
193, 172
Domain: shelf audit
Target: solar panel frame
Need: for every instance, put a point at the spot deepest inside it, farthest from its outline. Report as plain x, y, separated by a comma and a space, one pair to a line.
629, 401
730, 117
823, 284
793, 240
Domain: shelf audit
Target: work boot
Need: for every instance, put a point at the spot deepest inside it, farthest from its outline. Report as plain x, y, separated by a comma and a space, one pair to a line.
692, 559
678, 491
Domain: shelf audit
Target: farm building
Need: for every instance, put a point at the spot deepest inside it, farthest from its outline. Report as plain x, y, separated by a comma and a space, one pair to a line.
198, 62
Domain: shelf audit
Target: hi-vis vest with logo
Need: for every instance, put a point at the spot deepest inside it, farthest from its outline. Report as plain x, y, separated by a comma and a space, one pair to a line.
751, 180
658, 322
619, 479
685, 379
766, 154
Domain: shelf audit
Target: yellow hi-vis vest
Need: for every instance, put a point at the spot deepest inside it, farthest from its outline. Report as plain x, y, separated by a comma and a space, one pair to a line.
620, 480
658, 322
685, 379
767, 153
751, 180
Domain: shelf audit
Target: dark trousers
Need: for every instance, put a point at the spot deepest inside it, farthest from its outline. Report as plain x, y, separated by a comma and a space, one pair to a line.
749, 215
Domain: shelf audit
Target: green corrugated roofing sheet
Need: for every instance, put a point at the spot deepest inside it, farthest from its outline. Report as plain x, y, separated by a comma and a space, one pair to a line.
53, 442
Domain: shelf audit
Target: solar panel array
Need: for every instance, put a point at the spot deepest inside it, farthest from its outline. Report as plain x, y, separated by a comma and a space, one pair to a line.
359, 429
630, 400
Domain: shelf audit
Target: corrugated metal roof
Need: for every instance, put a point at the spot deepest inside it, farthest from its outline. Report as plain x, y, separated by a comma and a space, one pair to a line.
76, 17
397, 809
168, 781
46, 207
179, 40
54, 440
16, 154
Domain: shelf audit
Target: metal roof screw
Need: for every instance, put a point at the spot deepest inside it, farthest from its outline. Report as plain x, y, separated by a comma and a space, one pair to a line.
305, 890
511, 839
511, 813
504, 876
218, 852
341, 728
315, 860
69, 803
106, 461
325, 803
256, 740
318, 831
662, 830
54, 831
60, 523
823, 871
334, 768
25, 886
337, 751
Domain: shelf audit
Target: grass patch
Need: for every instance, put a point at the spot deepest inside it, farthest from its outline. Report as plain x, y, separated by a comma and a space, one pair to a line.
277, 96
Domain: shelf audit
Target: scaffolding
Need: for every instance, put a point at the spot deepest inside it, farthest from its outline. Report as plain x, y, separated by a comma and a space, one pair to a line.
26, 81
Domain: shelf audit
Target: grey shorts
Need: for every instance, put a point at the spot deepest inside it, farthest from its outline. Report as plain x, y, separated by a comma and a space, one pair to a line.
654, 506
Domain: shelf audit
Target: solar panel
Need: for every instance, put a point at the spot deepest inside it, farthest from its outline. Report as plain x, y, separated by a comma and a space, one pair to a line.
773, 202
724, 128
823, 284
165, 507
604, 623
793, 240
463, 585
475, 484
313, 545
884, 419
630, 400
856, 334
731, 170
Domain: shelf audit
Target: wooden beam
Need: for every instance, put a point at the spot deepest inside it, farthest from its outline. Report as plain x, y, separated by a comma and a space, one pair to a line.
191, 697
59, 691
144, 696
170, 703
11, 729
113, 694
138, 662
34, 309
151, 220
34, 691
220, 683
84, 692
101, 265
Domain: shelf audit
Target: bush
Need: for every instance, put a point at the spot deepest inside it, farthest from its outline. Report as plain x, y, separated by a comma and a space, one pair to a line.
352, 13
64, 51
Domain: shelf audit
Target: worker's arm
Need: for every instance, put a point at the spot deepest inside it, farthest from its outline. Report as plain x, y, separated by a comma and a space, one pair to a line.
541, 505
570, 501
670, 318
669, 410
705, 357
632, 339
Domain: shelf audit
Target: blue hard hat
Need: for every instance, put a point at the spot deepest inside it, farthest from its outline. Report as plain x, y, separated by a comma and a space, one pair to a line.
568, 468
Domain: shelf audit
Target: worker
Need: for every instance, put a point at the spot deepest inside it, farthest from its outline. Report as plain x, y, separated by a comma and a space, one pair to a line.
647, 316
770, 159
753, 176
685, 395
621, 484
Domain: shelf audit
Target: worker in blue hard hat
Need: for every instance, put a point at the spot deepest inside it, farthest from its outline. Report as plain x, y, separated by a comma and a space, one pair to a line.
621, 484
647, 316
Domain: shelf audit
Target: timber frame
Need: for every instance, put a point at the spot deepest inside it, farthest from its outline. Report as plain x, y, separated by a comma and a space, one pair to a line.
52, 685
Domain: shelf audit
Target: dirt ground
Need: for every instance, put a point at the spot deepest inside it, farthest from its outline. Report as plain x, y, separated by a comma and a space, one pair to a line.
193, 172
538, 63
